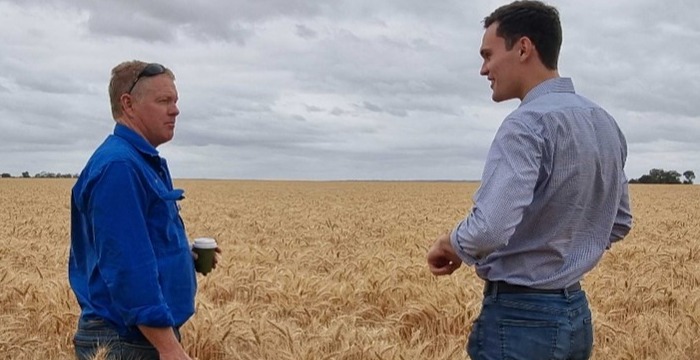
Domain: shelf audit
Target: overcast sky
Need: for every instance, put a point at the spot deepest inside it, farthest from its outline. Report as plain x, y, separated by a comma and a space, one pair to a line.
326, 90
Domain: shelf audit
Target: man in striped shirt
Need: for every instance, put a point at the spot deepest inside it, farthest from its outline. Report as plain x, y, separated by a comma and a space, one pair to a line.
553, 198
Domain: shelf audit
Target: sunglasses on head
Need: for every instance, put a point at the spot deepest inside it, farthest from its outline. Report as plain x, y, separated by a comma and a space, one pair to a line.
151, 69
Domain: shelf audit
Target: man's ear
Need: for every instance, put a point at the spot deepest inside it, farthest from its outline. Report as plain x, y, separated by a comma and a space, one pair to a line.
126, 103
526, 47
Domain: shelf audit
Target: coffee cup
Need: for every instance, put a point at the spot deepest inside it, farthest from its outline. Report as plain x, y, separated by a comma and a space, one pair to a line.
205, 249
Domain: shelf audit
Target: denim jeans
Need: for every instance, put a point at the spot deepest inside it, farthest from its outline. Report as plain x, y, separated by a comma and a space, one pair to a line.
528, 326
96, 334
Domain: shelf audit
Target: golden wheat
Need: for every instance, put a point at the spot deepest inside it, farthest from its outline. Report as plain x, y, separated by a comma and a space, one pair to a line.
336, 270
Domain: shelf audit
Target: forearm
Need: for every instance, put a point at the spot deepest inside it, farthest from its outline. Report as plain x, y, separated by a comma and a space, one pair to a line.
163, 339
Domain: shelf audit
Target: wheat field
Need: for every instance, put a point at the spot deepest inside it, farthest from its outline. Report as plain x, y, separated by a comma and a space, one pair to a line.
336, 270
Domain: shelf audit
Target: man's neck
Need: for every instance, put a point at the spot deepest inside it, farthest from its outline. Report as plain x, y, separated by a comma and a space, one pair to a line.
535, 78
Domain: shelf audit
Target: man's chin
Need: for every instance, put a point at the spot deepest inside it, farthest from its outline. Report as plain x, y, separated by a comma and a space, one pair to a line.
500, 97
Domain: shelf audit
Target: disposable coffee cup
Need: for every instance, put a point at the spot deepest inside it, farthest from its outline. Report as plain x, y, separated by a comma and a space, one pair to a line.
204, 247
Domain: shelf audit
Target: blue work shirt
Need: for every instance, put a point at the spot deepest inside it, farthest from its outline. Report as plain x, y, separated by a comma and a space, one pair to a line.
130, 262
553, 194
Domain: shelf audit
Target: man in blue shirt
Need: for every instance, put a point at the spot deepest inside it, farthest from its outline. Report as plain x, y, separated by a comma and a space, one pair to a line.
130, 263
553, 198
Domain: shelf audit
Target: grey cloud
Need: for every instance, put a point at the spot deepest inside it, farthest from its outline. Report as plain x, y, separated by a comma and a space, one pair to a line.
649, 127
368, 160
30, 77
371, 107
400, 71
450, 12
311, 108
150, 27
159, 20
398, 112
640, 63
56, 85
33, 132
273, 131
305, 32
120, 22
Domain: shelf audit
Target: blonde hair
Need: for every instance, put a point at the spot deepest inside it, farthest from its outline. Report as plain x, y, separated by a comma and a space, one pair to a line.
124, 77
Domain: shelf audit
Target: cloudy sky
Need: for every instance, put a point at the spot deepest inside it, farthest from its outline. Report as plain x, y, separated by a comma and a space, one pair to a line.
325, 90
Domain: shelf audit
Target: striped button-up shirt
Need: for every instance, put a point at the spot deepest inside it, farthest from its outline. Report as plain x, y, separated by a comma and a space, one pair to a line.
553, 195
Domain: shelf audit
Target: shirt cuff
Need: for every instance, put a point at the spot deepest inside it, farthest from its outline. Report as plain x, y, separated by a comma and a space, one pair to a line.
457, 247
154, 316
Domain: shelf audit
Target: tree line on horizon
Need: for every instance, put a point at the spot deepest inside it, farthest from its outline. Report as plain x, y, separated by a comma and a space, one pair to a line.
660, 176
40, 175
655, 176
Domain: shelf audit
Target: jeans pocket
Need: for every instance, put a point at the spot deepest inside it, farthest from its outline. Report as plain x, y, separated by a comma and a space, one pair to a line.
94, 331
474, 340
588, 328
528, 339
582, 346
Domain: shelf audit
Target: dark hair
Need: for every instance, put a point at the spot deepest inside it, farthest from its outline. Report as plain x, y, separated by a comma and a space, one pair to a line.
533, 19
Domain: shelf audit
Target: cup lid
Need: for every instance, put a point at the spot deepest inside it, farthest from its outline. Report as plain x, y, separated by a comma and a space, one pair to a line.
205, 243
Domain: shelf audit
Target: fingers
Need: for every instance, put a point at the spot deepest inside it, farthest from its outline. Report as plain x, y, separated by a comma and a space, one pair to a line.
216, 260
441, 271
441, 258
443, 267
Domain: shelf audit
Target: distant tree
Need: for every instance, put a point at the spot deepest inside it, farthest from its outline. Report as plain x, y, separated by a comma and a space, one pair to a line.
44, 175
660, 176
644, 179
672, 177
689, 176
50, 175
6, 175
25, 174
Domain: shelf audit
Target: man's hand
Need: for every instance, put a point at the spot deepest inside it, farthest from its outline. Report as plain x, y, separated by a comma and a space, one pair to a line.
164, 340
216, 256
175, 355
442, 259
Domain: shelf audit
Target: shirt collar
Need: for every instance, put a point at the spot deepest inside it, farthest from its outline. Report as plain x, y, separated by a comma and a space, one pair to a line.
135, 140
554, 85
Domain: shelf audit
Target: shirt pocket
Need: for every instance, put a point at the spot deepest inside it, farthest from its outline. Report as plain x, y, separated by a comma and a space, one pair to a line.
170, 198
170, 228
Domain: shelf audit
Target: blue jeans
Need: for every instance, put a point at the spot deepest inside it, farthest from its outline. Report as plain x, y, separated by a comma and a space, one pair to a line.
95, 334
528, 326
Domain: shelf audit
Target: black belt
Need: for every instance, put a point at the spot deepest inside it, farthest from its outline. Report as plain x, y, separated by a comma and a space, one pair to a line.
506, 288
